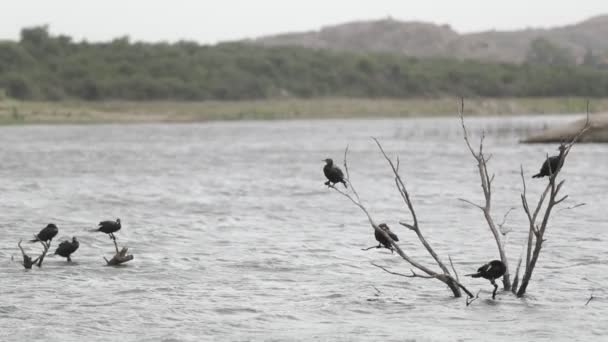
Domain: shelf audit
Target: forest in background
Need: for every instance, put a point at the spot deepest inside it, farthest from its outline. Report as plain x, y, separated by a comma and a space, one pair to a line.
41, 66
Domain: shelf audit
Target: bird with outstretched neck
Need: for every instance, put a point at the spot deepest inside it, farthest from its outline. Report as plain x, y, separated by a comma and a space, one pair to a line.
333, 173
491, 271
109, 227
552, 164
47, 234
66, 248
382, 240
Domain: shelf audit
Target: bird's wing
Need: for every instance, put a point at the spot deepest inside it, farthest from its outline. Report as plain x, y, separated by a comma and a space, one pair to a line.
339, 172
105, 223
484, 268
62, 246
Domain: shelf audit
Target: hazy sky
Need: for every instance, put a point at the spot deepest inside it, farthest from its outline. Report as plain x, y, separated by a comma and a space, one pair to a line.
209, 21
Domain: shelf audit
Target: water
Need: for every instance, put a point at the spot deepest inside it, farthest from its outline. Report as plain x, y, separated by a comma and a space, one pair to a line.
236, 238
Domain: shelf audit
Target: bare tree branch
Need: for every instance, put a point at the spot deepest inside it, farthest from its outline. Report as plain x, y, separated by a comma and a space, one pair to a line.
536, 233
453, 269
486, 185
470, 300
413, 275
406, 197
471, 203
573, 207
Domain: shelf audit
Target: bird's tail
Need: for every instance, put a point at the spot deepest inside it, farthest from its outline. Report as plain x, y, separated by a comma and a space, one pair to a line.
344, 182
474, 275
35, 240
538, 175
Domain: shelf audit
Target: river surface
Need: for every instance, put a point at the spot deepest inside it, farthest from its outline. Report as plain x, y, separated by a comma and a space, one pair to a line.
236, 238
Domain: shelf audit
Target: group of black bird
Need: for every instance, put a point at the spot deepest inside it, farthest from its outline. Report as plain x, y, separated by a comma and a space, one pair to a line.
492, 270
67, 247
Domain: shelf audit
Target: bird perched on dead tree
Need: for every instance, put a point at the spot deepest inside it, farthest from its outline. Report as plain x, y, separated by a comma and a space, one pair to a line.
333, 173
383, 241
491, 271
66, 248
552, 164
109, 227
47, 234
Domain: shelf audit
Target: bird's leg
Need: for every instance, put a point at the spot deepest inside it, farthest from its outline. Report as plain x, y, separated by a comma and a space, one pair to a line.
495, 288
115, 244
69, 259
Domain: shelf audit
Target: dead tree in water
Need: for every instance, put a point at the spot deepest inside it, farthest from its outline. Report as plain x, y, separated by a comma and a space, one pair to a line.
444, 275
486, 184
536, 232
120, 257
27, 260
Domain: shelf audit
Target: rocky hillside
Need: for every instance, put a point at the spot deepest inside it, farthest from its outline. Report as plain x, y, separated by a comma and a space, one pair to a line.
425, 39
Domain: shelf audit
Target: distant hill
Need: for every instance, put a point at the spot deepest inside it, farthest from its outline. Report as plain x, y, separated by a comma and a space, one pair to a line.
430, 40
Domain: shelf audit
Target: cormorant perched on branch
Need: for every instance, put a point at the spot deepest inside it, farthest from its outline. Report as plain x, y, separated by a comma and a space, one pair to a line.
384, 242
491, 271
554, 162
333, 173
66, 248
46, 234
109, 227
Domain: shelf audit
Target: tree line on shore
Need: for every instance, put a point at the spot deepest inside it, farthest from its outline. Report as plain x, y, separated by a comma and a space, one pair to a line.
41, 66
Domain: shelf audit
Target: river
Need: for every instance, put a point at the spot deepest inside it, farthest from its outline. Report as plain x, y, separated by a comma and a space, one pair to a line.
236, 238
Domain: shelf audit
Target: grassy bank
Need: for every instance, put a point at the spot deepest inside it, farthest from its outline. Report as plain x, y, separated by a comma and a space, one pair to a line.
29, 112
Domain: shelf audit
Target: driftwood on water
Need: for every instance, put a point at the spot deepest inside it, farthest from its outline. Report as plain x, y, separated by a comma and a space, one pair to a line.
120, 257
27, 260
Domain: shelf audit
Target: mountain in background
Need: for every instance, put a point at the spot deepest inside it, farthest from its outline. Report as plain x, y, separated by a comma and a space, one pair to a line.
420, 39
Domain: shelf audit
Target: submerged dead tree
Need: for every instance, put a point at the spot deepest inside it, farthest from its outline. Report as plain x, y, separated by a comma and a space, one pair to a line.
444, 274
498, 231
536, 232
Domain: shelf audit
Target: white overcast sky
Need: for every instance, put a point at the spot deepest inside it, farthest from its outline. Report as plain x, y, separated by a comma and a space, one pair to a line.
209, 21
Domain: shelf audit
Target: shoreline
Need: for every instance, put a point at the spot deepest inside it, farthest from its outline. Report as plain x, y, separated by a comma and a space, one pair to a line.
79, 112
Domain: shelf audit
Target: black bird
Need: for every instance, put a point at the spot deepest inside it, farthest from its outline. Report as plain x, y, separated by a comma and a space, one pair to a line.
383, 241
46, 234
333, 173
109, 227
554, 162
491, 271
66, 248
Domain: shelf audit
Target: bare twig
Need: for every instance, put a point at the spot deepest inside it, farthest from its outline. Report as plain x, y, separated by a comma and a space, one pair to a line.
573, 207
471, 203
470, 300
413, 275
453, 268
591, 297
